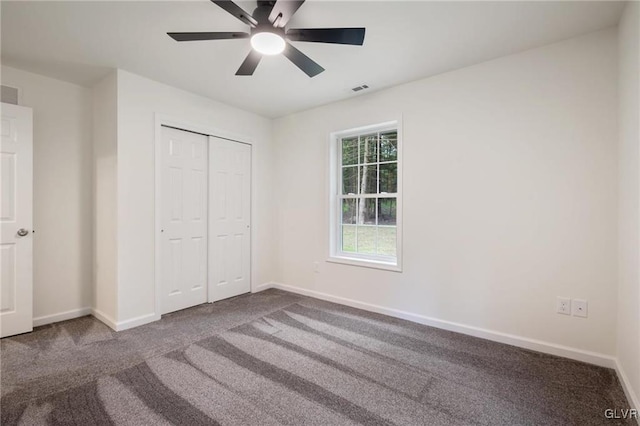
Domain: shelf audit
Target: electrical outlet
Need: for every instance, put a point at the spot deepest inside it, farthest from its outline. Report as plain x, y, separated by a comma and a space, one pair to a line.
316, 267
579, 308
563, 305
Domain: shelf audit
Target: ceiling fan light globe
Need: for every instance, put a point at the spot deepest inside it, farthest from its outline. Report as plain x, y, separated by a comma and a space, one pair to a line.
267, 43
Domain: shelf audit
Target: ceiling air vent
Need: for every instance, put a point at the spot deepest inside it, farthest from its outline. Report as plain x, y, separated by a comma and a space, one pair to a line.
9, 95
359, 88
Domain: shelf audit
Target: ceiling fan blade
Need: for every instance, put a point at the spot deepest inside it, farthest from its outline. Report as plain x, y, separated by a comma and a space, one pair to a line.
302, 61
236, 11
284, 9
206, 36
354, 36
250, 63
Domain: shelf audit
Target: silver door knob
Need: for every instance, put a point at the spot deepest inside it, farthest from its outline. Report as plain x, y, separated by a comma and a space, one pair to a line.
23, 232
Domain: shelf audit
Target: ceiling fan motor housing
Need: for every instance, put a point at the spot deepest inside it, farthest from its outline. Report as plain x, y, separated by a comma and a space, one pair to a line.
261, 13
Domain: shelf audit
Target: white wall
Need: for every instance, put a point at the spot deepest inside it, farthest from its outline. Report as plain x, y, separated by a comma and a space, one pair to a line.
62, 258
629, 198
510, 176
105, 161
139, 99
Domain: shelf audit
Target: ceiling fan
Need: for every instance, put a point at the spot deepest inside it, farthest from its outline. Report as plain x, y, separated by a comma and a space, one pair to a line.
270, 37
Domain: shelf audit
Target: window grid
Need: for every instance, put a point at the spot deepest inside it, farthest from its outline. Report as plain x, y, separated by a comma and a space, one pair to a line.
359, 196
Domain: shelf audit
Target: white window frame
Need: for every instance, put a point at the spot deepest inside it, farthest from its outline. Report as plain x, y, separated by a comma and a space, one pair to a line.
336, 255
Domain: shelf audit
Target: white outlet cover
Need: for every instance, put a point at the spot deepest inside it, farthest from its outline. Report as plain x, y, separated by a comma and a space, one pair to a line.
563, 305
579, 308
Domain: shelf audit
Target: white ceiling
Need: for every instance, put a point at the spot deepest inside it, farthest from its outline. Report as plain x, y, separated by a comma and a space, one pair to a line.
81, 41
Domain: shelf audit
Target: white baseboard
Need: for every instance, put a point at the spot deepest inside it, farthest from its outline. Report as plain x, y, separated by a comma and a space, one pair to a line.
124, 325
62, 316
496, 336
262, 287
136, 322
106, 319
626, 386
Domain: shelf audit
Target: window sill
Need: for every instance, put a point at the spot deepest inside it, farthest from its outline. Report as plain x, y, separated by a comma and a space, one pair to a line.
375, 264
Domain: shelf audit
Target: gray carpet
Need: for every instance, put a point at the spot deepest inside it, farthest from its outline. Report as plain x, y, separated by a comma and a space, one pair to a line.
277, 358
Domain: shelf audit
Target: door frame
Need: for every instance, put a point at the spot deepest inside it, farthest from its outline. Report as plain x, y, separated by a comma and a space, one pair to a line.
181, 124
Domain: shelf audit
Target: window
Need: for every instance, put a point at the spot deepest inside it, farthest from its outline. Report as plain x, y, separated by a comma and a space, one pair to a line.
365, 197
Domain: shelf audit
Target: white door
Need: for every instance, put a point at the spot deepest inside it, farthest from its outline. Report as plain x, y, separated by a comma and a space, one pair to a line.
183, 192
229, 219
16, 205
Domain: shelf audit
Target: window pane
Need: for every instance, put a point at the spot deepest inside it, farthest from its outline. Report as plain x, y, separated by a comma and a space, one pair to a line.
387, 211
350, 180
369, 148
389, 146
389, 178
349, 151
367, 236
349, 211
367, 211
387, 240
369, 179
349, 238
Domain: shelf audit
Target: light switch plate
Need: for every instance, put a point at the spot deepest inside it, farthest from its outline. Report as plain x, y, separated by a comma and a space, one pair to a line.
579, 308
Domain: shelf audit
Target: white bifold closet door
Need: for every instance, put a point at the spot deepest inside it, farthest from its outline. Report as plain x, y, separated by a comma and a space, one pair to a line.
229, 219
184, 210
